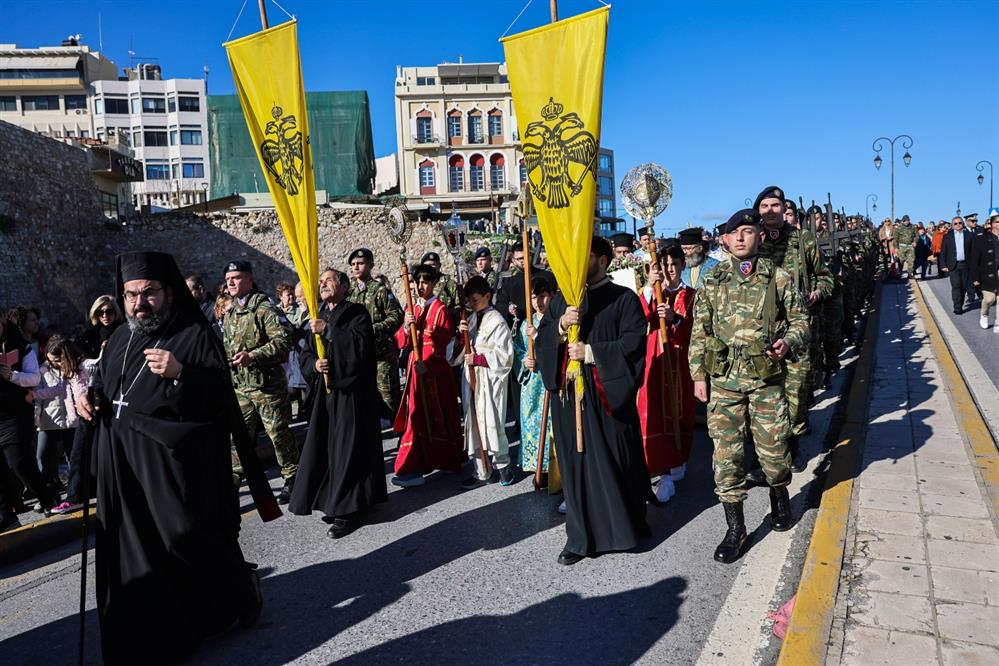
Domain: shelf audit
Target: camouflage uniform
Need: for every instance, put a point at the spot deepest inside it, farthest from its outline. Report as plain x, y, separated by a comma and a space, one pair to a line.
447, 291
491, 278
261, 388
386, 318
727, 345
905, 236
784, 247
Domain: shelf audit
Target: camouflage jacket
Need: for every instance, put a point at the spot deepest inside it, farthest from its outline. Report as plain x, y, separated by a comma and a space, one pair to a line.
385, 311
257, 327
781, 246
447, 291
905, 235
729, 321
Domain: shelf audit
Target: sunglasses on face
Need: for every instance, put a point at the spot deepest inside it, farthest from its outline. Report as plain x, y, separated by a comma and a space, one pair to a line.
105, 312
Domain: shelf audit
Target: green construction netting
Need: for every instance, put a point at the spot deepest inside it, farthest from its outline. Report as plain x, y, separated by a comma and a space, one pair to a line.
342, 150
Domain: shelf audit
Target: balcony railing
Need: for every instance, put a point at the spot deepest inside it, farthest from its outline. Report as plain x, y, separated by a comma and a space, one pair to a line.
426, 139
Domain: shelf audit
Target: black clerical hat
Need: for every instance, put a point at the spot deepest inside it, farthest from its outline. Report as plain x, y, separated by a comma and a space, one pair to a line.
742, 218
692, 236
623, 240
769, 192
145, 266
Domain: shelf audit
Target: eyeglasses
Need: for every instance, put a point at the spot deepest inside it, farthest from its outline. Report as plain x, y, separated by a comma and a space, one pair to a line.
147, 294
105, 311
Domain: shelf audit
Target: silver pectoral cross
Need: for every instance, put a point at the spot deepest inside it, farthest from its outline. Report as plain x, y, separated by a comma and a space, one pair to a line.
120, 402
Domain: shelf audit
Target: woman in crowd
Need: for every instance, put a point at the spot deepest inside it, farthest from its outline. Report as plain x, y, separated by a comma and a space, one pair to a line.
63, 381
105, 317
924, 248
937, 243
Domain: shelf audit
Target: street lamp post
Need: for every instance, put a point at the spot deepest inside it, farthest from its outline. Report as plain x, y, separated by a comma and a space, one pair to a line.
981, 179
878, 145
867, 204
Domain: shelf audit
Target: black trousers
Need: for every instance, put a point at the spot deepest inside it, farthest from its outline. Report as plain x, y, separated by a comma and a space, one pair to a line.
15, 440
960, 285
78, 466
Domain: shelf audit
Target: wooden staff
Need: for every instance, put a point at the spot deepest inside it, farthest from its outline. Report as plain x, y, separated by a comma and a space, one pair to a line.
417, 352
527, 289
469, 349
664, 343
543, 442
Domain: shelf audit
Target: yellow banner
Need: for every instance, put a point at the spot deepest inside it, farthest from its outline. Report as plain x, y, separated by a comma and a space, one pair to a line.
268, 75
556, 76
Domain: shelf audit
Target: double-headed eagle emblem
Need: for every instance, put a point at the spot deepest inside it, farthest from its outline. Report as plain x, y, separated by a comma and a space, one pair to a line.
284, 154
556, 153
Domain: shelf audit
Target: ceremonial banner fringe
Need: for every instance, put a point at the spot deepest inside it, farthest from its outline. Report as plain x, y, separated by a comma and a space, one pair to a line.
556, 76
268, 75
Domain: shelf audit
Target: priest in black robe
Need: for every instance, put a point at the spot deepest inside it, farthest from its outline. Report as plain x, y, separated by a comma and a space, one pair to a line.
169, 567
341, 471
606, 486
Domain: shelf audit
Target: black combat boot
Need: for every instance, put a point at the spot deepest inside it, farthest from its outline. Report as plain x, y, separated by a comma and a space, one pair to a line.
794, 448
730, 549
780, 510
284, 495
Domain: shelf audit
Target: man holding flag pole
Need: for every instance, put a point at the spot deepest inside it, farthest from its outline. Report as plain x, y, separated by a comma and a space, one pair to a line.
591, 342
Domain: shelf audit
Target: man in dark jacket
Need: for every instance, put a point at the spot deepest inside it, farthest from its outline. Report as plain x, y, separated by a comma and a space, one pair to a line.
983, 269
955, 255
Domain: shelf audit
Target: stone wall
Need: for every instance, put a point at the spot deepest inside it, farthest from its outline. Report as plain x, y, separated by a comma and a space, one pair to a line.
57, 251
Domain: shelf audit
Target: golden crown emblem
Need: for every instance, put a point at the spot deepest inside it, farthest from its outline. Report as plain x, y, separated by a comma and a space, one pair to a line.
551, 110
276, 111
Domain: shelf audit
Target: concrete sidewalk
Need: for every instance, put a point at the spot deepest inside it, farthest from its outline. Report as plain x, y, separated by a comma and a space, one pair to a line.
920, 577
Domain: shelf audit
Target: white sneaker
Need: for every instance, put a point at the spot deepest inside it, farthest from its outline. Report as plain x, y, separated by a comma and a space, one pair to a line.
665, 489
677, 473
561, 508
983, 321
996, 329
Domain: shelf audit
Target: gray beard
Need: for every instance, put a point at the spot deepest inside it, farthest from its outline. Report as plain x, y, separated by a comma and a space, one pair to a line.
151, 324
695, 260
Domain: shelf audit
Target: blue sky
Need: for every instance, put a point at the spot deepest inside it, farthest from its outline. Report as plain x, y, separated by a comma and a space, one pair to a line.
728, 96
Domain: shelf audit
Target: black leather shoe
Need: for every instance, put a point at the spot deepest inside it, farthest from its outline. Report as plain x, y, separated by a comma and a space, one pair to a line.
568, 558
755, 477
251, 613
780, 510
284, 495
8, 521
341, 527
730, 549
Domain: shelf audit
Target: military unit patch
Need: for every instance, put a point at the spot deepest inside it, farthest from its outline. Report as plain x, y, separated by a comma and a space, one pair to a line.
746, 267
774, 233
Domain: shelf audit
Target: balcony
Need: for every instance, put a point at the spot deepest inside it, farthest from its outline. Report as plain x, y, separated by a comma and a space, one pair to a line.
426, 140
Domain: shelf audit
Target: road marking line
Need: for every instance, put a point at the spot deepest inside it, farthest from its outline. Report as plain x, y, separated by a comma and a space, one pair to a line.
811, 621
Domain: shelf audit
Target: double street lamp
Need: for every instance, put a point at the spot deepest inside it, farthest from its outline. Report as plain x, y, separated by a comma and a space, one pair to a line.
981, 179
878, 145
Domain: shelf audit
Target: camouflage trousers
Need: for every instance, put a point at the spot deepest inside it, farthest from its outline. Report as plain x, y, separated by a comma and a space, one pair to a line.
797, 386
388, 388
766, 410
274, 412
832, 331
815, 359
907, 257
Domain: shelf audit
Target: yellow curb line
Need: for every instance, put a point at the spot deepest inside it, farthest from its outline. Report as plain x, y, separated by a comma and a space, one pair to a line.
969, 419
806, 641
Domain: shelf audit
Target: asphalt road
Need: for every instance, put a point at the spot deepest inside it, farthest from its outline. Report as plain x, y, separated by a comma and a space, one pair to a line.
983, 343
445, 576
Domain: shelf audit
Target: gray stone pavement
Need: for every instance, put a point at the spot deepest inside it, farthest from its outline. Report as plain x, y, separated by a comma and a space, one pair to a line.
920, 581
446, 576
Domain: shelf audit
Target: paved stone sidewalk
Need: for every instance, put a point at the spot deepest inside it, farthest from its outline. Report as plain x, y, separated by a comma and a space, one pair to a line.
920, 581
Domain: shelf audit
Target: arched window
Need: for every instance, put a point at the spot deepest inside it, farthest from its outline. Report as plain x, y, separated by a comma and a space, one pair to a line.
454, 126
497, 171
475, 134
476, 173
428, 184
424, 127
456, 173
495, 126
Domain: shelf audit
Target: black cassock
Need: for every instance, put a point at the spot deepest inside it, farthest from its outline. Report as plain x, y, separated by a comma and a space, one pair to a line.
607, 486
342, 470
169, 567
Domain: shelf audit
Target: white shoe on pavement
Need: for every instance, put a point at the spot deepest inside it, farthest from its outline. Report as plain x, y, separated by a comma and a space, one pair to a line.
996, 329
561, 508
677, 473
983, 321
665, 489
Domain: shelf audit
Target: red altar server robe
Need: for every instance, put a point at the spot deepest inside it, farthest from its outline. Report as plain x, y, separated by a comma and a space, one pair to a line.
661, 454
438, 445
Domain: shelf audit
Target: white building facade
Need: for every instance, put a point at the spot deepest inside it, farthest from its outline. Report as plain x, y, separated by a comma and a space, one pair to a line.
165, 123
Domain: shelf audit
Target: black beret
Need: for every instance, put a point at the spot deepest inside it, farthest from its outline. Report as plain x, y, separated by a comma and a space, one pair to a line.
742, 218
905, 218
623, 240
692, 236
431, 256
790, 204
361, 253
239, 265
483, 252
769, 192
